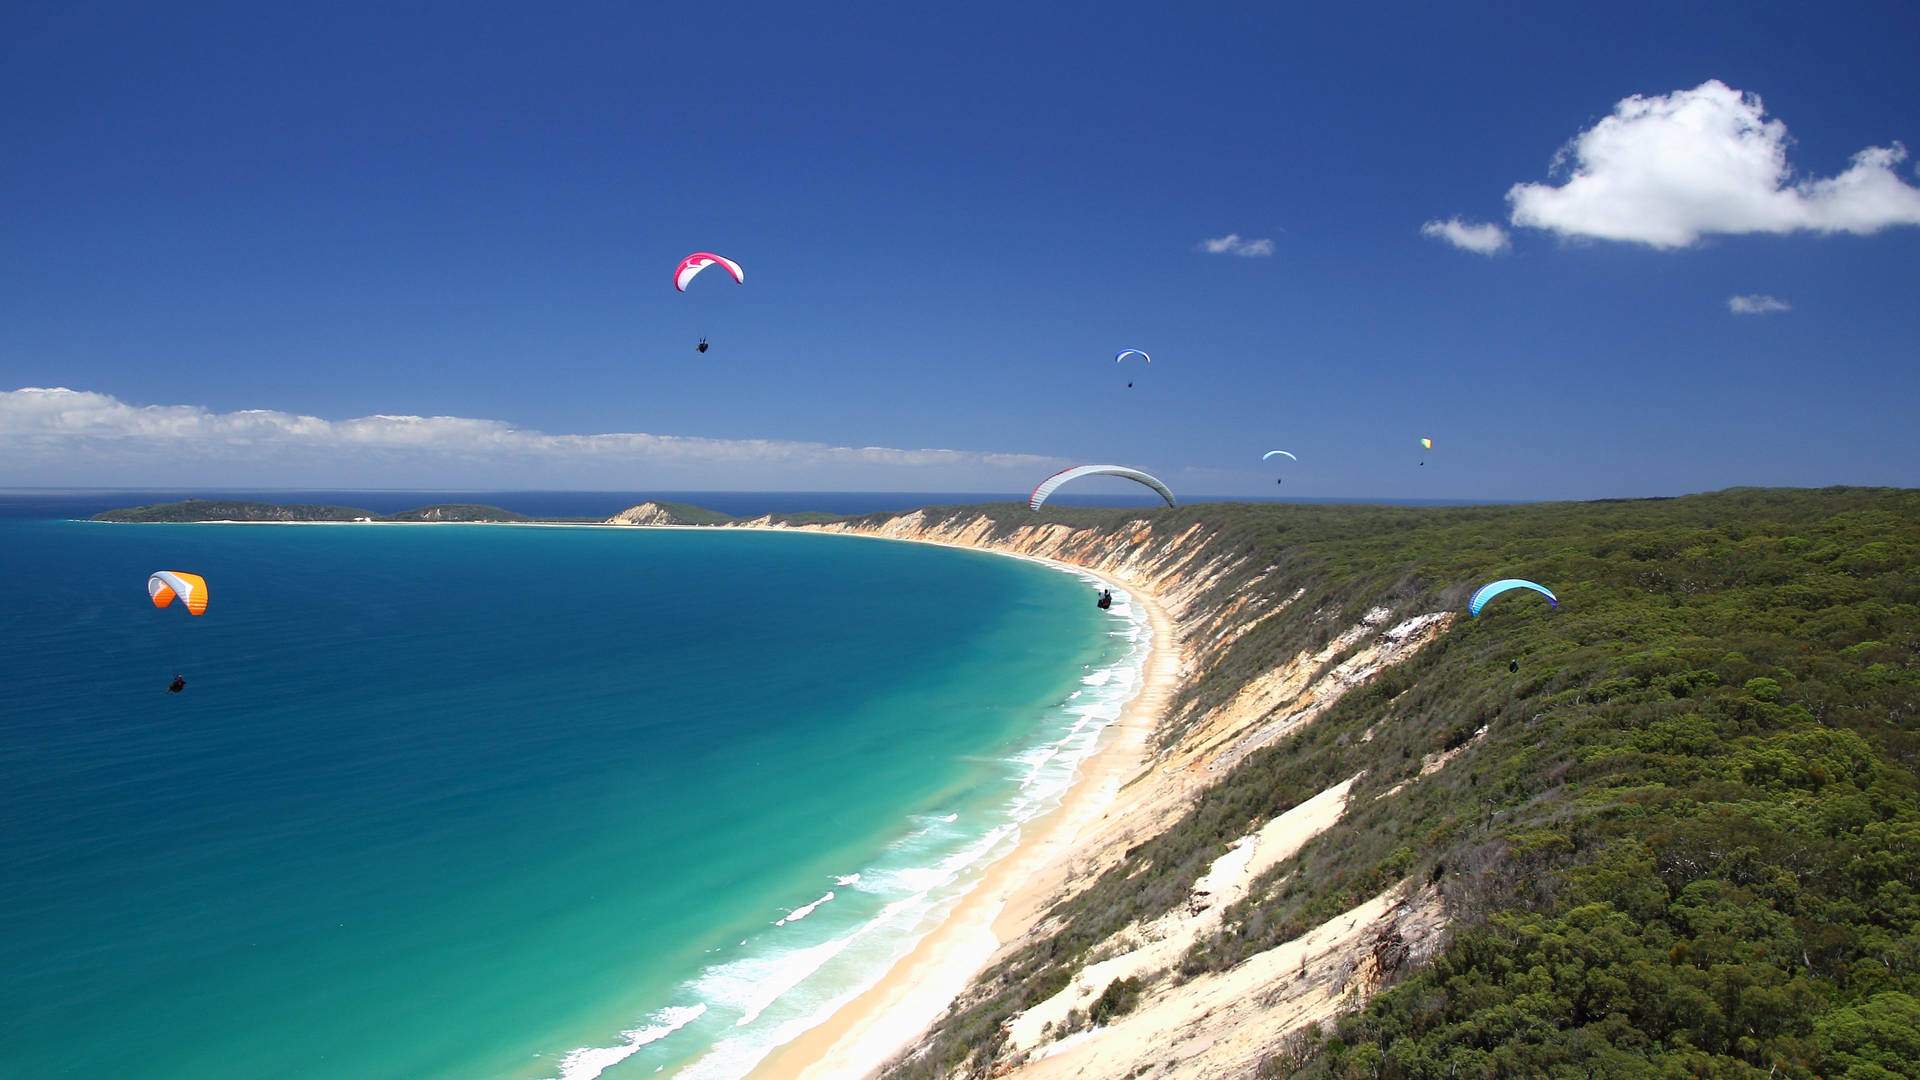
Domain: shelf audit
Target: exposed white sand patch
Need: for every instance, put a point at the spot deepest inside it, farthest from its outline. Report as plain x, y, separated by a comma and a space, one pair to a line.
1222, 1024
1158, 946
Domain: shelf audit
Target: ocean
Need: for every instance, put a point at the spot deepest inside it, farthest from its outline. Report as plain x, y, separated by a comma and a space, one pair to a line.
533, 803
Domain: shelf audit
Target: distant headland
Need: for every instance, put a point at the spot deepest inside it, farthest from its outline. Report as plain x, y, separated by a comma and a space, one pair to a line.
214, 511
211, 510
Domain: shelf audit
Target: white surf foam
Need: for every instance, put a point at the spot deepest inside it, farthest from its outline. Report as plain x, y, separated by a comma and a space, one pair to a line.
804, 910
588, 1062
772, 993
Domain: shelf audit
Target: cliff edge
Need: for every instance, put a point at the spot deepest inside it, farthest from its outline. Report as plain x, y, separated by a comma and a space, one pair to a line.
1665, 827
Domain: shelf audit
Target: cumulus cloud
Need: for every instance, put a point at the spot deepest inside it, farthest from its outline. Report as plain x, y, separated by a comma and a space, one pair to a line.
1756, 304
57, 435
1665, 171
1485, 238
1235, 244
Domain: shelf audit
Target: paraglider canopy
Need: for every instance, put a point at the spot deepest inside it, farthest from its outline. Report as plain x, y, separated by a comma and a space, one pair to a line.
1270, 453
699, 261
1052, 483
1426, 444
1494, 588
1124, 353
164, 585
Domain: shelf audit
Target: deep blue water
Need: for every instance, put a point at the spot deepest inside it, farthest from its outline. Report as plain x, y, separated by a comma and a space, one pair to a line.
456, 801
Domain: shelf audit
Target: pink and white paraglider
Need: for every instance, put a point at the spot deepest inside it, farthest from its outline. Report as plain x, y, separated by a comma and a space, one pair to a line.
699, 261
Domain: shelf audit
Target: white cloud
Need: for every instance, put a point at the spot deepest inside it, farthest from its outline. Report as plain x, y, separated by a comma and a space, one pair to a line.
1485, 238
1233, 244
1756, 304
1665, 171
57, 435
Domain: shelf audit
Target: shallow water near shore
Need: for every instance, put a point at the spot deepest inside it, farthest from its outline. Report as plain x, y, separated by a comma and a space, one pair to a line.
469, 801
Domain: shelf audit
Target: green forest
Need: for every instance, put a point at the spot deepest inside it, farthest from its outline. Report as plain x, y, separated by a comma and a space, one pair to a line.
1687, 845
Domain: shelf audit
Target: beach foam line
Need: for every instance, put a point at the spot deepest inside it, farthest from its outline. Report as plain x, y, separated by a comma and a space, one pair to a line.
769, 979
805, 910
587, 1062
759, 1001
855, 1039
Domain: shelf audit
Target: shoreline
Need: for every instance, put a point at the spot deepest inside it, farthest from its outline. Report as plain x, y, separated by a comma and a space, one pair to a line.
860, 1036
866, 1032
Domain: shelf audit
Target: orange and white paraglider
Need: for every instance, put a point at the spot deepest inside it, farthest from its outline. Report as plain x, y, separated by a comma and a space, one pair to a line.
166, 586
191, 589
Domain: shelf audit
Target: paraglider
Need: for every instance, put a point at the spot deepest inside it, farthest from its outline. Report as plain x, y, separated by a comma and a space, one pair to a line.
1052, 483
1269, 454
164, 585
1124, 353
1105, 601
699, 261
1425, 444
191, 590
1494, 588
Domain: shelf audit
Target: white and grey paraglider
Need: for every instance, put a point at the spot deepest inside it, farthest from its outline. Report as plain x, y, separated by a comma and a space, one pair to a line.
1052, 483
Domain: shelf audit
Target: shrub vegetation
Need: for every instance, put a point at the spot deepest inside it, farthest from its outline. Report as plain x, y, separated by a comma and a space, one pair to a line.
1687, 843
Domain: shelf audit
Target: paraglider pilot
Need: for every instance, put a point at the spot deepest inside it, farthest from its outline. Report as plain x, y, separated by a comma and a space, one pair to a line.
1106, 599
702, 346
178, 684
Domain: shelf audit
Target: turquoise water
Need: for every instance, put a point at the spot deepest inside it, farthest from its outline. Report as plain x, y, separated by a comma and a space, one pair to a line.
467, 801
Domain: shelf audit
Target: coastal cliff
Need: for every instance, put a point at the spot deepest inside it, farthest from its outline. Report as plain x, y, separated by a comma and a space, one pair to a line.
1666, 827
1214, 595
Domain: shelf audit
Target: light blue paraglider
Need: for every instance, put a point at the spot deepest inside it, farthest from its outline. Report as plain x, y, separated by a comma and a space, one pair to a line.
1270, 453
1494, 588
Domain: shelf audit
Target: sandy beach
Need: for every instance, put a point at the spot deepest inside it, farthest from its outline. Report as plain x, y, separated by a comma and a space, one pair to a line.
864, 1033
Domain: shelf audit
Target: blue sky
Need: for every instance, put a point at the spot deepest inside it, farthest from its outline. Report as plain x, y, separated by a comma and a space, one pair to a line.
950, 222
